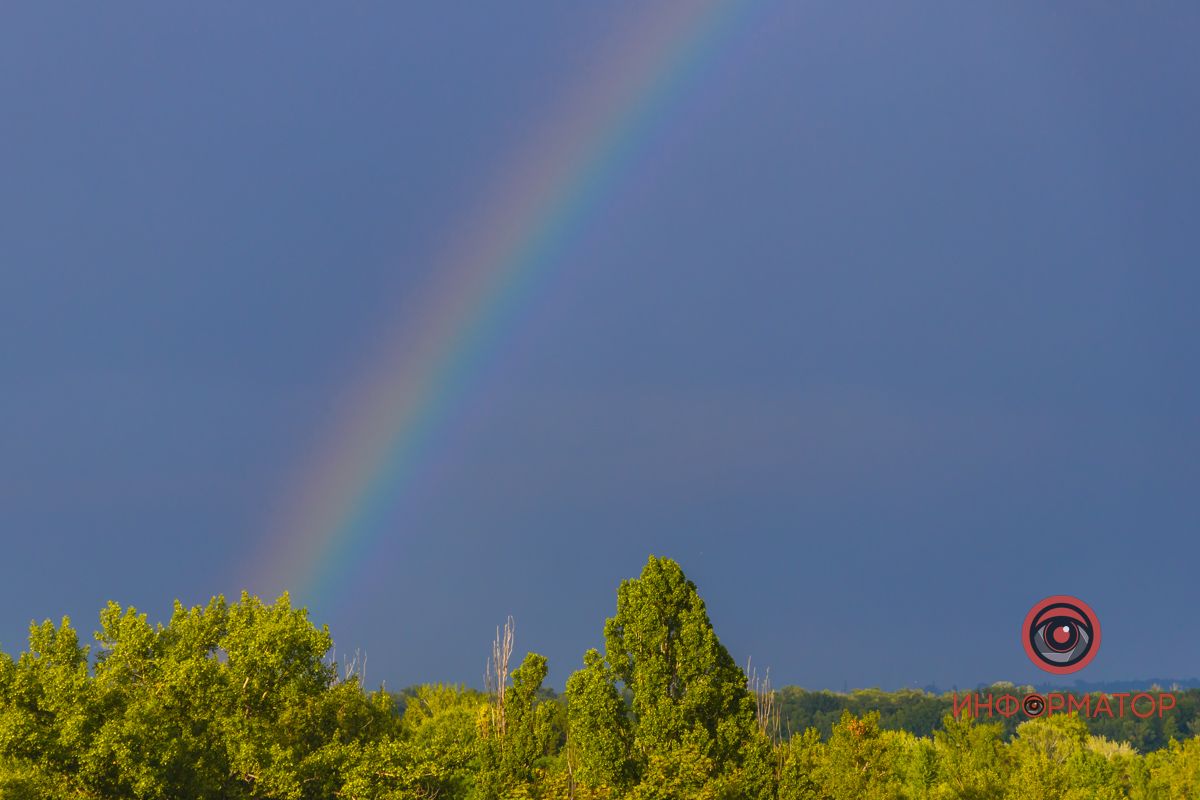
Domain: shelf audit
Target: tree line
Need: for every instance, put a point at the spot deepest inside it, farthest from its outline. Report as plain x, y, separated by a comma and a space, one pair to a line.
239, 700
921, 712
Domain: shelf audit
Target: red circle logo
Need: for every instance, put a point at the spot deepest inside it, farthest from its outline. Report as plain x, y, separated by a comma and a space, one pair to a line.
1061, 634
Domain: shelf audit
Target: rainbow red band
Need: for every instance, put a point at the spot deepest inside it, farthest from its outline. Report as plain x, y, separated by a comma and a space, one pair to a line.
343, 508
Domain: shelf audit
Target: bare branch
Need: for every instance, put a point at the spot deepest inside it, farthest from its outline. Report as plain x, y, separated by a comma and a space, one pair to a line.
496, 673
766, 713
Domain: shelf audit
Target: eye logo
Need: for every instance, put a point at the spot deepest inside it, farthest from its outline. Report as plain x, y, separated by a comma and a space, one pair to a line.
1061, 634
1034, 705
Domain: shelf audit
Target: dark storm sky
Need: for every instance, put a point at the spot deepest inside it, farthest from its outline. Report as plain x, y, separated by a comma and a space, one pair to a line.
886, 331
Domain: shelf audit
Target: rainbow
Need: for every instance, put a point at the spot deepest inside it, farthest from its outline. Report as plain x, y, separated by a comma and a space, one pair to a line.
334, 515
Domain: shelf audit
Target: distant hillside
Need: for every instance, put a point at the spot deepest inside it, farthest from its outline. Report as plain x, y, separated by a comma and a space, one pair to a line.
1137, 685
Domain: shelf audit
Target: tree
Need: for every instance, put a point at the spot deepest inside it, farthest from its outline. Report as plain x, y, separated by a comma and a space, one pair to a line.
970, 760
860, 765
46, 710
428, 755
598, 725
1172, 772
508, 756
688, 695
1054, 757
223, 701
803, 762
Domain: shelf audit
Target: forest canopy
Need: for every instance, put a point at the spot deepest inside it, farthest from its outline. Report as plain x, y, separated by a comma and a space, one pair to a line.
242, 700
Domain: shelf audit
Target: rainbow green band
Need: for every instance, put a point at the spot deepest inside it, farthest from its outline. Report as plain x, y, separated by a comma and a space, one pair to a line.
335, 515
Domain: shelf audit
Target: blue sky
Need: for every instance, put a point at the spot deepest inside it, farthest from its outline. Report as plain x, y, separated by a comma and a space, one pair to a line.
886, 331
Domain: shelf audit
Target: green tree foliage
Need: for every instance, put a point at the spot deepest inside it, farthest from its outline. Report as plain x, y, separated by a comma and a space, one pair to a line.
804, 758
1170, 773
599, 725
428, 752
1052, 759
691, 722
47, 721
971, 762
238, 701
224, 701
859, 764
921, 713
508, 757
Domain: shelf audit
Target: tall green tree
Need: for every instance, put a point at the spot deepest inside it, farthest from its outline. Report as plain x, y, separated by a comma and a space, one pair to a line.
688, 697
